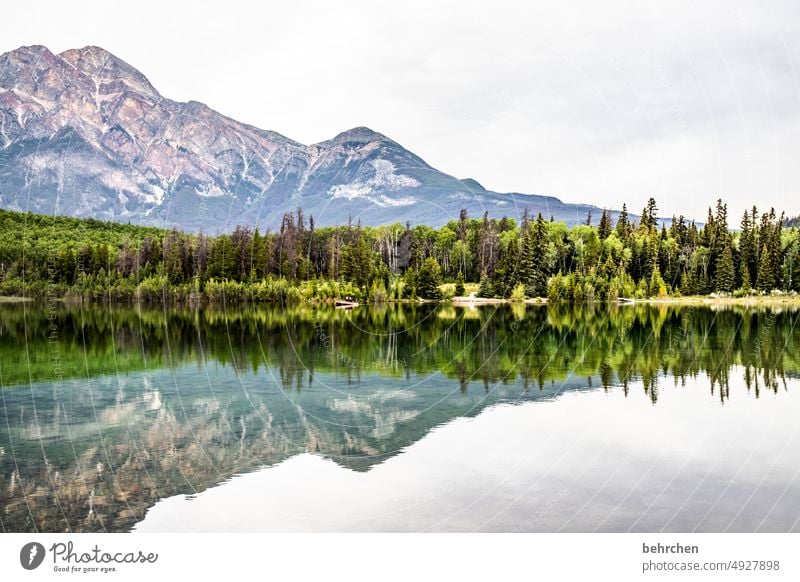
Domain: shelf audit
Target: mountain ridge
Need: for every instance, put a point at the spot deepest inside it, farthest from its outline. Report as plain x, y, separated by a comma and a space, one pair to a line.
83, 133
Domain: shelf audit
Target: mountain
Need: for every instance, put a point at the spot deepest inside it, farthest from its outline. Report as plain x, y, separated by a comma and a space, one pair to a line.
83, 133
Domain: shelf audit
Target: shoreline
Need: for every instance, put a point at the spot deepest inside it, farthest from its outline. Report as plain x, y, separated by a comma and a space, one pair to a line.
748, 301
14, 299
466, 301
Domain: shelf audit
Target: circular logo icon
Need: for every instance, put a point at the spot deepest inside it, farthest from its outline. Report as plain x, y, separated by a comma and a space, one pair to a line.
31, 555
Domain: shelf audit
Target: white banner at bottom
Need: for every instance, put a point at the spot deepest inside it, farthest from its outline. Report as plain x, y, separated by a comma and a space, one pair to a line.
354, 557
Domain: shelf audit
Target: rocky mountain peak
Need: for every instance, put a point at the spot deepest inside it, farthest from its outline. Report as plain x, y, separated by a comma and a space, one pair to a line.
107, 70
359, 135
84, 133
35, 55
32, 69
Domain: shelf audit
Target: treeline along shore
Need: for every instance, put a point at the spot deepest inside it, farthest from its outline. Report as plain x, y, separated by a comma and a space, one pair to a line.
84, 259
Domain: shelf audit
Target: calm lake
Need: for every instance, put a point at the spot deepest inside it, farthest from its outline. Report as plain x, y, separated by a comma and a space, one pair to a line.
399, 418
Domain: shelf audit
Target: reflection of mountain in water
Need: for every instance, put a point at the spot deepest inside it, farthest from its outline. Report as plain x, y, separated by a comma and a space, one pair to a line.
115, 446
126, 407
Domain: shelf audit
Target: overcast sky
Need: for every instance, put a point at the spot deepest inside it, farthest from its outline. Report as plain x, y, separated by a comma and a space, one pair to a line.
599, 103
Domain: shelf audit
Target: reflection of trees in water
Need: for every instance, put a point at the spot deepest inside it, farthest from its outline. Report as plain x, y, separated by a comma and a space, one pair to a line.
145, 428
489, 345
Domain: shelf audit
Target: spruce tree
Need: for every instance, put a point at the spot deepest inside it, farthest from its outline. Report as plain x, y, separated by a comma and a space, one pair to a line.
459, 292
649, 216
222, 262
429, 279
747, 251
536, 285
525, 265
486, 289
687, 284
717, 238
657, 287
725, 274
506, 276
776, 251
604, 229
765, 280
746, 280
257, 265
623, 225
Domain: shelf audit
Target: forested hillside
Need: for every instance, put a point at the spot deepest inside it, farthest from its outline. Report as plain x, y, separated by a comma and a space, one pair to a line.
55, 256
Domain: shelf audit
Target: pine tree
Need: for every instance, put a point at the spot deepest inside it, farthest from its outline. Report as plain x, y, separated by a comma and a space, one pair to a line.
257, 265
486, 289
463, 220
725, 275
524, 269
745, 276
747, 251
357, 263
222, 261
649, 216
776, 251
604, 228
506, 276
793, 264
173, 257
721, 219
536, 285
623, 225
687, 284
765, 280
429, 279
460, 285
657, 287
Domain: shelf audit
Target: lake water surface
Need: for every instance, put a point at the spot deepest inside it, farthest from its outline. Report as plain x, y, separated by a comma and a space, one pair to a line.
399, 418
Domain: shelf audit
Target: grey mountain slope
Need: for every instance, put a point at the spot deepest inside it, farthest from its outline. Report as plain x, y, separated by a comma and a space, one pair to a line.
83, 133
